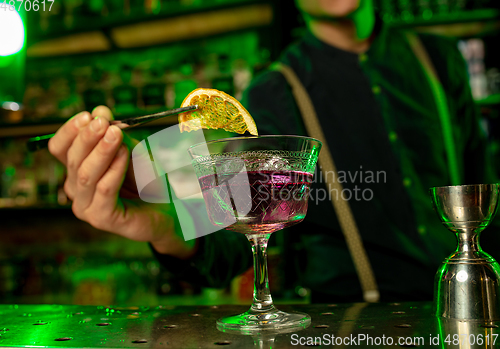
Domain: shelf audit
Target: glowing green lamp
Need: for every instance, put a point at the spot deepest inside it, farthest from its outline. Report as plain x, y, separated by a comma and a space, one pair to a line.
11, 32
12, 58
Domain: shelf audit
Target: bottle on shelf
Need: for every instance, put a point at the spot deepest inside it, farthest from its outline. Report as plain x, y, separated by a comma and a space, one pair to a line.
242, 75
94, 96
424, 9
224, 82
406, 10
125, 95
389, 10
473, 53
441, 7
153, 92
185, 83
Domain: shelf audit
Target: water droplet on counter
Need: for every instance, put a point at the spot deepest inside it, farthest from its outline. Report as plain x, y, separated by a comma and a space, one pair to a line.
63, 339
170, 326
403, 325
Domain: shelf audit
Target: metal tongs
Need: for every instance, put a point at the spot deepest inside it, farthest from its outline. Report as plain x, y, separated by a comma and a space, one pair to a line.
41, 142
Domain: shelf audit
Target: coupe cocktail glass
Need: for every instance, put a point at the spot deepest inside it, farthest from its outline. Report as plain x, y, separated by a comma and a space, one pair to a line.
256, 186
467, 283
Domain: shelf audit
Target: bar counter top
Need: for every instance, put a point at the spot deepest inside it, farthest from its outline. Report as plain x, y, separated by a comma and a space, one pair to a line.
381, 325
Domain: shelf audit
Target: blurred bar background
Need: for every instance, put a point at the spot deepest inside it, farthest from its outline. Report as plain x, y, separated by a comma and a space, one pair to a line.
143, 56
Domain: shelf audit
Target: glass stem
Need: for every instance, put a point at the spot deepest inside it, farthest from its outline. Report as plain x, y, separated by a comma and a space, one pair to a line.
262, 300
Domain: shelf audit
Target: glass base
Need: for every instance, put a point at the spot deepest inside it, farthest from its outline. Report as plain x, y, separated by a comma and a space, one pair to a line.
272, 320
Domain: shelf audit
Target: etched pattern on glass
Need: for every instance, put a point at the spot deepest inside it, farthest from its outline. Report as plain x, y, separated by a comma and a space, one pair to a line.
255, 160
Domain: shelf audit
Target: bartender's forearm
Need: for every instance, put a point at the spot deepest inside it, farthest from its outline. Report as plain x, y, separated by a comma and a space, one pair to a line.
176, 247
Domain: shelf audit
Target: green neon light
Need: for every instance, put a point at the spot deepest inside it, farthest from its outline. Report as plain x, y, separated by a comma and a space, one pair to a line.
364, 19
11, 32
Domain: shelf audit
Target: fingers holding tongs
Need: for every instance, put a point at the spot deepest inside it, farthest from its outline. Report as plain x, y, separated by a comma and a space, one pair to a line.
41, 142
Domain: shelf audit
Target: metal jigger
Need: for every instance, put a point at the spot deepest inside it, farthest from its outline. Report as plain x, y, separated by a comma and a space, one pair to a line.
464, 334
466, 286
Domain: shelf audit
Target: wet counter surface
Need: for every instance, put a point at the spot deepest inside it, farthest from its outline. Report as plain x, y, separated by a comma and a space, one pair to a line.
333, 325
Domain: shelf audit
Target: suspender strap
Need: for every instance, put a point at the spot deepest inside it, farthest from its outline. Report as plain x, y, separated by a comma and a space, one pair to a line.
441, 104
341, 206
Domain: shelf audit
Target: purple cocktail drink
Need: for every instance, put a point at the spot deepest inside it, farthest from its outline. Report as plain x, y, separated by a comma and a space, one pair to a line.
255, 186
278, 200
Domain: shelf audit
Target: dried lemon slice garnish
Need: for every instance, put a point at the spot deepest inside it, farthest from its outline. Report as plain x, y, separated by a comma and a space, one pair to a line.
216, 110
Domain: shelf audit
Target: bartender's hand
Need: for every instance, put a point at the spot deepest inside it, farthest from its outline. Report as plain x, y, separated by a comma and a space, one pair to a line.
101, 185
